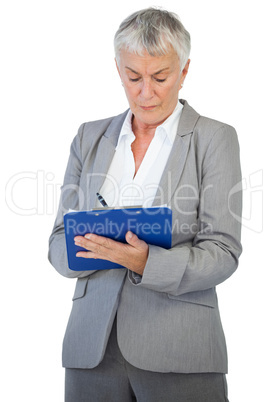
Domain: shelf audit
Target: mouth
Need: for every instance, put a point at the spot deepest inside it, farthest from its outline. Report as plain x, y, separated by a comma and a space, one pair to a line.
148, 107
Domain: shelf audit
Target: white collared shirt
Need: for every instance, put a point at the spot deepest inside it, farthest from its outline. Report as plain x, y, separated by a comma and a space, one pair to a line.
121, 187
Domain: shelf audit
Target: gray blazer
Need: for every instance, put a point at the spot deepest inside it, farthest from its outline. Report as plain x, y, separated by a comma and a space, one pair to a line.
167, 320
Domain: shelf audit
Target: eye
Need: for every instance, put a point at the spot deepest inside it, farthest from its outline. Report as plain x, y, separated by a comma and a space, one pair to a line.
134, 79
160, 80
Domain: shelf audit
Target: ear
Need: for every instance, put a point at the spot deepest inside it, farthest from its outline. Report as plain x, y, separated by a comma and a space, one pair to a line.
184, 72
117, 67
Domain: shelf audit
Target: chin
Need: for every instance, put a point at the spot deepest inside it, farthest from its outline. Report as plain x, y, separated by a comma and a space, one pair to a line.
150, 118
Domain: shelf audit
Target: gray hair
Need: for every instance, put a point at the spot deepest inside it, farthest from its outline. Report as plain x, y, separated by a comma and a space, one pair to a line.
153, 30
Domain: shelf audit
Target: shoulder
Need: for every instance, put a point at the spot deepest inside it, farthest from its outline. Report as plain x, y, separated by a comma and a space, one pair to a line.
205, 129
211, 133
202, 125
97, 128
90, 133
209, 138
210, 127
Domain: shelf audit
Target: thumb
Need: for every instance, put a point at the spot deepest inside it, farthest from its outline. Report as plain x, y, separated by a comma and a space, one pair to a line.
134, 241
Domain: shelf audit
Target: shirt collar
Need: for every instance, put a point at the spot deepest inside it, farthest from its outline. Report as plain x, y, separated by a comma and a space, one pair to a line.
126, 129
169, 125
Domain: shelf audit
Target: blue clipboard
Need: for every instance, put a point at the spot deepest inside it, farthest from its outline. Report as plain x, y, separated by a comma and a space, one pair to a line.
153, 225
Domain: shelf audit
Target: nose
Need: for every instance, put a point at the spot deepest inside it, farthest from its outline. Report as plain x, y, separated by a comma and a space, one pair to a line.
147, 90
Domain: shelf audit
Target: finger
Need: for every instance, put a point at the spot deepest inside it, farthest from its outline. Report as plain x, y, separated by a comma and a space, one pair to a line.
102, 241
89, 236
87, 254
95, 250
81, 241
134, 241
98, 246
101, 244
91, 242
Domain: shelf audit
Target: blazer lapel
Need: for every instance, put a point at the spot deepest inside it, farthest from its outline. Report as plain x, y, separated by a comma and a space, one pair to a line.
105, 153
176, 161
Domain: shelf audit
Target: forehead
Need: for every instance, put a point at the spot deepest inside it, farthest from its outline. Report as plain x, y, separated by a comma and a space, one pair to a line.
148, 64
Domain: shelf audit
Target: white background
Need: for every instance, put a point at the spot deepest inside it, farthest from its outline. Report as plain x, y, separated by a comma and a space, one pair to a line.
57, 71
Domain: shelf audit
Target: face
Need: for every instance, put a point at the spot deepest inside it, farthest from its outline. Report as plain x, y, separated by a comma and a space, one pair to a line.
152, 85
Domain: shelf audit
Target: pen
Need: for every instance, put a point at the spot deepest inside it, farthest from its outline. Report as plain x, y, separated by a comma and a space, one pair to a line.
101, 200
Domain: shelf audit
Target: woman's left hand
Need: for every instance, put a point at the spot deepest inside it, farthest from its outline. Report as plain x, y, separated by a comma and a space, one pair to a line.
132, 255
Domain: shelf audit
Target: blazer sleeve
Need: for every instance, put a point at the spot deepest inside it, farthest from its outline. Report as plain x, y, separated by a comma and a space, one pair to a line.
211, 256
70, 199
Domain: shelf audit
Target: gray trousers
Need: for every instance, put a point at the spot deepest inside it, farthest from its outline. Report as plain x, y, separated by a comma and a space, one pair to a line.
115, 380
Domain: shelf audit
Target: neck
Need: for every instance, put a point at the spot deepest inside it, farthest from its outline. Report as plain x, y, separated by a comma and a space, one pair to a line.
140, 128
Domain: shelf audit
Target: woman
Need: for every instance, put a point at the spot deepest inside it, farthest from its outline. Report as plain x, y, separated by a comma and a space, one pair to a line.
152, 331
